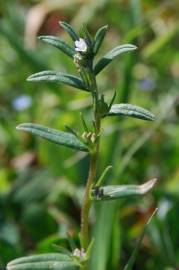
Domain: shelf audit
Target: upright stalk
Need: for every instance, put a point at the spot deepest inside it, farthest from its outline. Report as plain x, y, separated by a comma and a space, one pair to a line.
94, 155
87, 202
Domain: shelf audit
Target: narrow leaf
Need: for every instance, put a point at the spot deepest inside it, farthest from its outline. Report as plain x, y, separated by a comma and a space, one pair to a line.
122, 191
54, 76
112, 100
99, 38
62, 250
54, 136
86, 36
89, 249
130, 263
67, 27
40, 258
60, 44
130, 110
71, 130
48, 265
106, 59
85, 127
103, 175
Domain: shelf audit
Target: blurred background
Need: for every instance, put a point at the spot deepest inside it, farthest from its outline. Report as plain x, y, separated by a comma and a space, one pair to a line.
41, 184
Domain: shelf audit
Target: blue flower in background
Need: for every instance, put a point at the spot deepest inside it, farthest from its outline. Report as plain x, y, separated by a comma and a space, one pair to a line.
147, 84
22, 102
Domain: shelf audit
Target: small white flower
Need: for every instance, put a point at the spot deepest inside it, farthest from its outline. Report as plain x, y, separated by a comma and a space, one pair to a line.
79, 253
80, 45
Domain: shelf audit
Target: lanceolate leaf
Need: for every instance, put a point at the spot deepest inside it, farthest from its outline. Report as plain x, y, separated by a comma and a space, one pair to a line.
50, 261
60, 44
54, 136
106, 59
130, 110
84, 33
122, 191
67, 27
40, 258
50, 265
53, 76
99, 38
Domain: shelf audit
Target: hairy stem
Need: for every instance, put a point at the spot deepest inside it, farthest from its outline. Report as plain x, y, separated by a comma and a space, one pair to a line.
87, 202
93, 166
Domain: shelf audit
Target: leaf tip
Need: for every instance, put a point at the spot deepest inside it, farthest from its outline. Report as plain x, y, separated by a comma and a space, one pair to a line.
61, 23
106, 26
151, 117
148, 186
153, 182
132, 46
20, 127
41, 37
8, 267
32, 78
29, 78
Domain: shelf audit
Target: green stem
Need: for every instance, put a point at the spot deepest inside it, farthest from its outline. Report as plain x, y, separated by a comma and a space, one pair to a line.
92, 168
87, 202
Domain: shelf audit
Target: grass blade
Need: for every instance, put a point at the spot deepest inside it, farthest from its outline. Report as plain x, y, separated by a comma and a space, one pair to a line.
132, 259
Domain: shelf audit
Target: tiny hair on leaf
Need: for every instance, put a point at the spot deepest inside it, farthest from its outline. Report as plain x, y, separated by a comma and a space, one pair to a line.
121, 191
111, 55
55, 136
130, 110
69, 29
99, 37
59, 44
54, 76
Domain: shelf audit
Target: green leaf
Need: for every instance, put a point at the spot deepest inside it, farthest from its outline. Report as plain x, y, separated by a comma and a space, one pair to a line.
85, 127
125, 109
49, 261
99, 38
54, 76
40, 258
107, 58
84, 33
130, 263
67, 27
112, 100
54, 136
51, 265
60, 44
122, 191
103, 175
